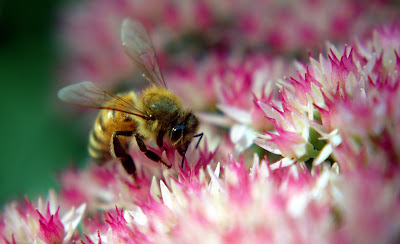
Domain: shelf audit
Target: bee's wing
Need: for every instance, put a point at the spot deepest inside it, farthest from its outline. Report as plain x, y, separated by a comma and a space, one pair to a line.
88, 94
138, 47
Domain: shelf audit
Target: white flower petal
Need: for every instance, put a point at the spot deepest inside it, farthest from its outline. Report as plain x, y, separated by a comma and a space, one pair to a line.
215, 185
317, 96
242, 136
300, 149
167, 196
139, 217
284, 162
323, 155
155, 189
335, 168
215, 119
177, 191
294, 171
267, 145
202, 176
297, 204
255, 167
264, 169
240, 115
71, 219
74, 216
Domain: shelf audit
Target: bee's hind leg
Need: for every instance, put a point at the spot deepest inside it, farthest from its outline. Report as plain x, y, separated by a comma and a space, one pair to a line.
149, 154
120, 153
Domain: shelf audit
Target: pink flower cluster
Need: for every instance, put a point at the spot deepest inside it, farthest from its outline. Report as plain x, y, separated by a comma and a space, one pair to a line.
293, 152
43, 222
182, 30
347, 99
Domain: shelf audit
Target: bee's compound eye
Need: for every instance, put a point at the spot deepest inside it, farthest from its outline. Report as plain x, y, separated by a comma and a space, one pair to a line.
177, 133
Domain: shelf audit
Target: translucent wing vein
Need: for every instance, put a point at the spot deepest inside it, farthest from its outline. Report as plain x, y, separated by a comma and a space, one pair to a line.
88, 94
138, 46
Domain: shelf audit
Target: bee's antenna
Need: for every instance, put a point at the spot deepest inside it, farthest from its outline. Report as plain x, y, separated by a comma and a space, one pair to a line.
198, 135
197, 145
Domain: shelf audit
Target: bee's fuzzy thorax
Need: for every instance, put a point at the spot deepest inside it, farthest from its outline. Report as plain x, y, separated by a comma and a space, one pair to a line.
160, 91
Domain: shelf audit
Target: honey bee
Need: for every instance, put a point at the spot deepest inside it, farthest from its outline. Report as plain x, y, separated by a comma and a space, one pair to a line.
154, 114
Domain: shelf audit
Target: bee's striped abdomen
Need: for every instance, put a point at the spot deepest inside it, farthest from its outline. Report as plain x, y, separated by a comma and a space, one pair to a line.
108, 122
99, 139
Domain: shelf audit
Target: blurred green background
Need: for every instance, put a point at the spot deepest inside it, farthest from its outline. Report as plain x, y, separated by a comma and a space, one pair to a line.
35, 142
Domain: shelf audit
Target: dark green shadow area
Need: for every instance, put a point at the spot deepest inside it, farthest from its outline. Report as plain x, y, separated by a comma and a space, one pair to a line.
35, 143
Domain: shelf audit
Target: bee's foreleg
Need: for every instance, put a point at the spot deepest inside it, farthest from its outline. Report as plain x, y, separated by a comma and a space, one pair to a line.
160, 137
120, 152
150, 154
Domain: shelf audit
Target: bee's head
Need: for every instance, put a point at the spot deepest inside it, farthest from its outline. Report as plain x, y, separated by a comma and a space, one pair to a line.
182, 133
